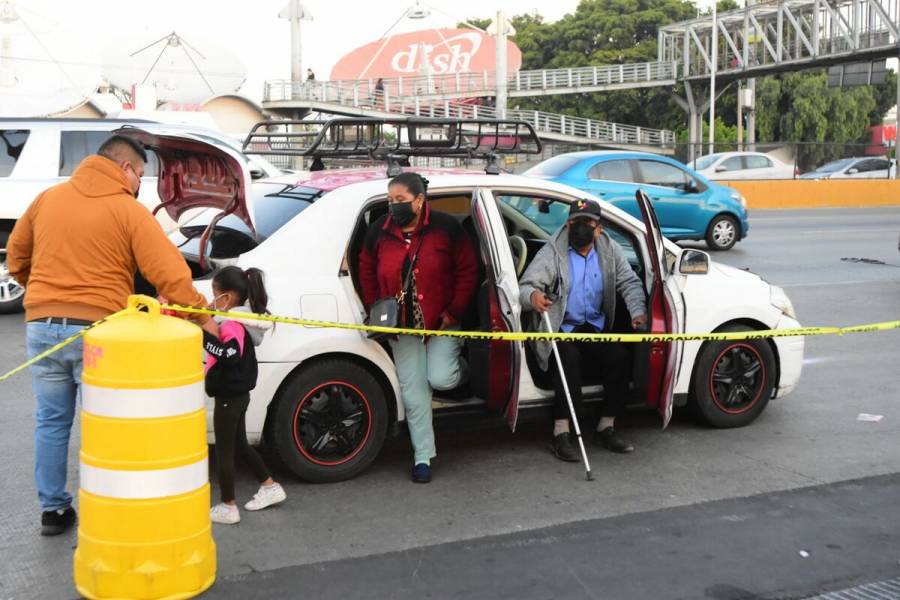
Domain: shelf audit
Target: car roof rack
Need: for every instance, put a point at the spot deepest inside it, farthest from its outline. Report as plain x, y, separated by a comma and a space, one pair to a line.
394, 140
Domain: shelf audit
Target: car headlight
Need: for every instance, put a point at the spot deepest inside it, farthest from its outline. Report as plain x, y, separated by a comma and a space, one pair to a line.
781, 301
740, 198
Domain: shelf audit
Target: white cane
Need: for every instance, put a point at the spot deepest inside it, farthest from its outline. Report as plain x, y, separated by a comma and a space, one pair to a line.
562, 376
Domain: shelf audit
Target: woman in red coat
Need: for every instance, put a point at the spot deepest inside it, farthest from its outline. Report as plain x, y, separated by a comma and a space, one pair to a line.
444, 273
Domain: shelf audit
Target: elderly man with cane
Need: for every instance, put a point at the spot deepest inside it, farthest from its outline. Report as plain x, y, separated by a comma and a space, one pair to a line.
571, 287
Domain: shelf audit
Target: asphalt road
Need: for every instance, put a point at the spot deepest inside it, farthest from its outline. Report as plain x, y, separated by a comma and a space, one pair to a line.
693, 513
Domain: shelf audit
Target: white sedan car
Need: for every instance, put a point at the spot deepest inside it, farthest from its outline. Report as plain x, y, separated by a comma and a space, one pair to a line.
326, 398
742, 165
855, 168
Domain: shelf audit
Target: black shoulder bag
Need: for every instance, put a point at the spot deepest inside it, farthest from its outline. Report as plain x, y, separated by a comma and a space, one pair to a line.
386, 311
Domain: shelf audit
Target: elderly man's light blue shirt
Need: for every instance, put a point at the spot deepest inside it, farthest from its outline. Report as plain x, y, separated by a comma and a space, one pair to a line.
585, 301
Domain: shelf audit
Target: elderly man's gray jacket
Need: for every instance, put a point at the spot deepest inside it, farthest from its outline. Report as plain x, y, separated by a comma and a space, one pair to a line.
549, 272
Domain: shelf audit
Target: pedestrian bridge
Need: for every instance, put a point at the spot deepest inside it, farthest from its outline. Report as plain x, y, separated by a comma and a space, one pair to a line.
325, 97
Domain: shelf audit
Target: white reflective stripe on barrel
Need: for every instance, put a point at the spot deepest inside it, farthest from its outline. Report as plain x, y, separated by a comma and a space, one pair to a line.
136, 485
146, 403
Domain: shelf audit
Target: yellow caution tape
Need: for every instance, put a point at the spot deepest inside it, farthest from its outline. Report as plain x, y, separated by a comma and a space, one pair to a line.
513, 336
62, 344
508, 336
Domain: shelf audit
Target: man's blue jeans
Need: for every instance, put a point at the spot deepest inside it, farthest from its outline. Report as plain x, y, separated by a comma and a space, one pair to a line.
56, 381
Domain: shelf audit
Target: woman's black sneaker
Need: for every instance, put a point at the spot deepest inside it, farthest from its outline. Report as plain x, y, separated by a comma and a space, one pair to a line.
563, 449
609, 439
55, 522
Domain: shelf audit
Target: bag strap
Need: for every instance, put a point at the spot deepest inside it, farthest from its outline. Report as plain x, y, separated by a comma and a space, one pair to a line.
412, 263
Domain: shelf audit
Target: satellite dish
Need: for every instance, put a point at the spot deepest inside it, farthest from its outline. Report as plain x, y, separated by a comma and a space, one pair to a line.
43, 71
181, 70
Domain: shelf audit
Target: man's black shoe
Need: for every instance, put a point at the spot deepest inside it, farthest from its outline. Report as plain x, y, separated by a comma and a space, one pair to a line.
563, 449
55, 522
609, 439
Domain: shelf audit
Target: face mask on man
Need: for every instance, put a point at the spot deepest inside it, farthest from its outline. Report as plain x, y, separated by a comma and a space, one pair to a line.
580, 234
402, 213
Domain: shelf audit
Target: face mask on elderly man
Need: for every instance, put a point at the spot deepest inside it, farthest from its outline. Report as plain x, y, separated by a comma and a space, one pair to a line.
580, 234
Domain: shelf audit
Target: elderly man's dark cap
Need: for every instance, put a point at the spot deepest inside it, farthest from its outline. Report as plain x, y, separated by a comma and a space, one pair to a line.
585, 208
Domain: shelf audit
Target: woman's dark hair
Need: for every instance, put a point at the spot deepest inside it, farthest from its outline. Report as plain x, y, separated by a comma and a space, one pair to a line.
248, 285
415, 183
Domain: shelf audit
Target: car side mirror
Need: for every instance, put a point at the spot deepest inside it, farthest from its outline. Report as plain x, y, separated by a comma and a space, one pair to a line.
544, 207
693, 262
691, 187
852, 171
256, 173
721, 169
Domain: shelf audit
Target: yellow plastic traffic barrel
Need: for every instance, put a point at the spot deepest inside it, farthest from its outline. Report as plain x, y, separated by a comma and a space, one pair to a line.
144, 528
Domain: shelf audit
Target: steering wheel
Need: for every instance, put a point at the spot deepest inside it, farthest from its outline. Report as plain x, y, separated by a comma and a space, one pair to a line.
520, 253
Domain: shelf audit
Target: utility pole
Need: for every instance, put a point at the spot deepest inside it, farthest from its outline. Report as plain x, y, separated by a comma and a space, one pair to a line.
751, 85
500, 29
714, 59
296, 13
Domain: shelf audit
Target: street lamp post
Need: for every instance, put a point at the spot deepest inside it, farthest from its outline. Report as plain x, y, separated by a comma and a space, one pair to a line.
295, 12
714, 58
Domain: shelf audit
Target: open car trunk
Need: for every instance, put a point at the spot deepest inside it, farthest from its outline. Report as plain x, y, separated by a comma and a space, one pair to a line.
196, 174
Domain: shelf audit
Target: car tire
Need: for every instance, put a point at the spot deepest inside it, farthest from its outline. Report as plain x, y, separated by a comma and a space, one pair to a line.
308, 428
11, 294
733, 381
723, 233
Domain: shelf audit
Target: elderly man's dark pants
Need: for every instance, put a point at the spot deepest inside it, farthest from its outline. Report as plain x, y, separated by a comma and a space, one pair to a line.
612, 361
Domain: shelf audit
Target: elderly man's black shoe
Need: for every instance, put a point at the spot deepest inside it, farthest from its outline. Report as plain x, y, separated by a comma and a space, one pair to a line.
563, 449
609, 439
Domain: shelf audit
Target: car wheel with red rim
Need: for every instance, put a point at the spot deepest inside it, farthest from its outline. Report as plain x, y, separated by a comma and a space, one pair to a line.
329, 421
733, 381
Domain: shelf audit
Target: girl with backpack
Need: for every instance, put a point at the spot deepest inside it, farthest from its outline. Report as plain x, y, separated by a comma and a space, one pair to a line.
231, 372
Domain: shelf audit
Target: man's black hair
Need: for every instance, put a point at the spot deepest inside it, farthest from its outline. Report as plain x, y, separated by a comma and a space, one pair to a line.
115, 144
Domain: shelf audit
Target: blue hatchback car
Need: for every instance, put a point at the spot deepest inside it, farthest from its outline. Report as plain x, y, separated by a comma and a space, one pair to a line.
688, 206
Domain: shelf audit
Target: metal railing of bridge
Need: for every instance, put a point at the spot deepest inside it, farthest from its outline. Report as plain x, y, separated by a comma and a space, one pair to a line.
562, 126
484, 83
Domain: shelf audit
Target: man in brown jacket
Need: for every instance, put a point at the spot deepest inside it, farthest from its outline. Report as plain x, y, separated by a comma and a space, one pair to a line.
75, 250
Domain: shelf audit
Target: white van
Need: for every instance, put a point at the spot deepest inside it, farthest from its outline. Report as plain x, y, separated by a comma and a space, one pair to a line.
38, 153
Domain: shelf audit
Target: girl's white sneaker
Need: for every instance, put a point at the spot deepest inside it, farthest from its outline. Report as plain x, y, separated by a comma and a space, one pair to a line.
266, 496
226, 514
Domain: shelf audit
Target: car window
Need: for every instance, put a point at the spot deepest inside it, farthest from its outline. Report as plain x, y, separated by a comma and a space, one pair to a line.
612, 170
758, 162
553, 167
75, 146
549, 218
625, 241
732, 164
13, 141
704, 162
835, 166
872, 164
662, 174
269, 212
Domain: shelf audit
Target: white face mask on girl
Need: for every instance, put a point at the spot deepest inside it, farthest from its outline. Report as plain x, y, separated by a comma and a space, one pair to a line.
215, 302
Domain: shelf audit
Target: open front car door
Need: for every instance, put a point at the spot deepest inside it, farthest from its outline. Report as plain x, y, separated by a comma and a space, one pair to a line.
663, 307
495, 364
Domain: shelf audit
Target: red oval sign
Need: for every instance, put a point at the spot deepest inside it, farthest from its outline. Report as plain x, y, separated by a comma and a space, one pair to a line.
422, 53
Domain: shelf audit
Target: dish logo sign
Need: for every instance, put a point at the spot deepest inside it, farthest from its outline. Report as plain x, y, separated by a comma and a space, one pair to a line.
430, 52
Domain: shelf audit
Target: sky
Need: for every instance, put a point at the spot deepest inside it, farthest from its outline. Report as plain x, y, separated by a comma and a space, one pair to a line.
252, 31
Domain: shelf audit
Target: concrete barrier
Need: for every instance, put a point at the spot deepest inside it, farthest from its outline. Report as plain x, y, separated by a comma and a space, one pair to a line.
807, 193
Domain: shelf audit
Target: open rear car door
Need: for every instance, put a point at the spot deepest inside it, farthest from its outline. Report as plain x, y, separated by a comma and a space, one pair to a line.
664, 307
496, 364
193, 174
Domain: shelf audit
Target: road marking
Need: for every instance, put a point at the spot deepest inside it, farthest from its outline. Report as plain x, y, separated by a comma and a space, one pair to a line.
832, 283
832, 231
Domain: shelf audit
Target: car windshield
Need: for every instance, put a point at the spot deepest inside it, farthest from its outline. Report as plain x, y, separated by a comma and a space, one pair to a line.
553, 167
835, 166
705, 162
270, 212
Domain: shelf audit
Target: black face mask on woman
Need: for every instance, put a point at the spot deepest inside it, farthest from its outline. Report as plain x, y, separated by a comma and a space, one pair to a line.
402, 213
580, 234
